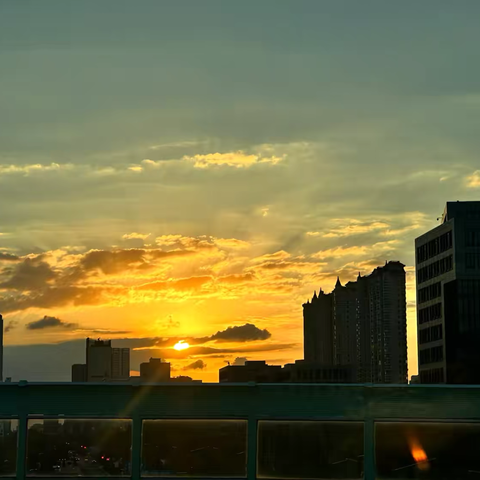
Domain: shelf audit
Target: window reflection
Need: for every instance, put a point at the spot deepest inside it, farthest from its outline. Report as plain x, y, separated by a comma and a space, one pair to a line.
310, 449
440, 451
8, 447
199, 448
79, 447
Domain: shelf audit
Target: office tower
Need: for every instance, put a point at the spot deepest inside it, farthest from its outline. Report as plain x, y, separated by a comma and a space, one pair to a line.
1, 348
155, 371
362, 325
104, 363
99, 360
448, 297
120, 363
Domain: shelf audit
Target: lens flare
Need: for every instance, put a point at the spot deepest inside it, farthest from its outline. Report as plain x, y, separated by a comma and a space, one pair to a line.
181, 345
419, 454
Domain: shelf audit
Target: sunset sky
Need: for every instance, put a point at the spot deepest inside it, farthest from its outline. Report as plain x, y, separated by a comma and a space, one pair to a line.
194, 170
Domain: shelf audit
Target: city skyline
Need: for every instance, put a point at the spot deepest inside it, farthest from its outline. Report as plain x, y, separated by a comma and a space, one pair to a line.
181, 174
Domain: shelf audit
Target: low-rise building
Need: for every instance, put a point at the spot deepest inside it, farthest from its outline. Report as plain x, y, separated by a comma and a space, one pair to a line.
301, 371
155, 371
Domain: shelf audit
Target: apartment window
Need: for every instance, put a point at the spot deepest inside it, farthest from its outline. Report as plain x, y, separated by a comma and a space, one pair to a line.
310, 449
429, 293
435, 375
70, 447
471, 260
427, 314
8, 447
426, 450
431, 355
434, 247
472, 238
431, 334
435, 269
194, 448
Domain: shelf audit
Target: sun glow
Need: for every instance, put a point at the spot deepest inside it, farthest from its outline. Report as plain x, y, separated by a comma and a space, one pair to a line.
181, 345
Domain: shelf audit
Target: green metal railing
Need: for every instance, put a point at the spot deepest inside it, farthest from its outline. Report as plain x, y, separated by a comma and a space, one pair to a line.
252, 402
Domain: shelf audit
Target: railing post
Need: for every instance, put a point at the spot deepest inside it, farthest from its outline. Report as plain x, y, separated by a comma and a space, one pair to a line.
252, 448
136, 446
369, 458
22, 444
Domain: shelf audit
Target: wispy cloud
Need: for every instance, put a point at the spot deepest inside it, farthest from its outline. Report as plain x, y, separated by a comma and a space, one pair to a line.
356, 251
238, 159
32, 168
135, 236
12, 324
473, 180
354, 227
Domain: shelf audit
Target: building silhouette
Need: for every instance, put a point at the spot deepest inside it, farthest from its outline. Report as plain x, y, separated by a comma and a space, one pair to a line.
99, 360
252, 371
448, 297
299, 372
362, 325
103, 363
155, 371
79, 372
120, 363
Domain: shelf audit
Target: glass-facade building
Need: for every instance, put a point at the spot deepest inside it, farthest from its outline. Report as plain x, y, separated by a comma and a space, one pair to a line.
448, 297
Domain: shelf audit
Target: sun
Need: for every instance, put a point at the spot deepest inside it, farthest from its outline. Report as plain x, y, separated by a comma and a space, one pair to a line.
181, 345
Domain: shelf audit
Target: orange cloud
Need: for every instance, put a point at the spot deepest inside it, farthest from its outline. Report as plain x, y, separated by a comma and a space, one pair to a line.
178, 284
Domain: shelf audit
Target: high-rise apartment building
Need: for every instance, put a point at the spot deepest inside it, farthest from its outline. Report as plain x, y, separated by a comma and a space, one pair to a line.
120, 363
448, 297
362, 325
99, 360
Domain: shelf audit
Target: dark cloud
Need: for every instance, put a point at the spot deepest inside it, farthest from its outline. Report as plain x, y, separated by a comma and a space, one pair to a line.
203, 351
8, 257
55, 297
31, 274
49, 322
239, 361
112, 262
244, 333
10, 326
197, 365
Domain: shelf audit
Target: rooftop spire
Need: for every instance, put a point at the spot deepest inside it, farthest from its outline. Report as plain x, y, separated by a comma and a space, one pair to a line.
338, 284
